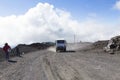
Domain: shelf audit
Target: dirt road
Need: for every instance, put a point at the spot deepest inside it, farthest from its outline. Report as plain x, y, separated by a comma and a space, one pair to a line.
70, 65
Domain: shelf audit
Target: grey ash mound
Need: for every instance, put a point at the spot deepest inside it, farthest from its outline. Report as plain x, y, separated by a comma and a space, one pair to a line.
99, 44
96, 45
33, 47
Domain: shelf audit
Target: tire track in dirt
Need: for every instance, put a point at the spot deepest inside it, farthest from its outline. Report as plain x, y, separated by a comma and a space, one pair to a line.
56, 68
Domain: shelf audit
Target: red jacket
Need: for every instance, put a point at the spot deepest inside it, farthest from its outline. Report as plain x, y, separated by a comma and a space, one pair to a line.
6, 47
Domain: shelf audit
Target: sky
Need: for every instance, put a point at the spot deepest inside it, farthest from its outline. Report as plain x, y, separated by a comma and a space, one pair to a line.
28, 21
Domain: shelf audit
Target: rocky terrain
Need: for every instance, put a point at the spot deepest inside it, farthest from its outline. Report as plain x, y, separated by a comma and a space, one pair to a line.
81, 61
27, 48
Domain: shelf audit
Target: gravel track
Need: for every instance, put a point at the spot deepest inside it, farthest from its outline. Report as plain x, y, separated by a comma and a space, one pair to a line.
49, 65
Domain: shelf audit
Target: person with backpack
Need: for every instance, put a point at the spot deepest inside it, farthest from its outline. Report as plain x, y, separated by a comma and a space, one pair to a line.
7, 50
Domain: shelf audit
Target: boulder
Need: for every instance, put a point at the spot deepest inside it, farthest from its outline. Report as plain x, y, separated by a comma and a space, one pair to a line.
113, 43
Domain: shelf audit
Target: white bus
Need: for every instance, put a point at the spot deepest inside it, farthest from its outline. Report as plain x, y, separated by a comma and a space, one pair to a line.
60, 45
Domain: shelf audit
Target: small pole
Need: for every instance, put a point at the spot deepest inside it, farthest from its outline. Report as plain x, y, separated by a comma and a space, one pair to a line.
74, 38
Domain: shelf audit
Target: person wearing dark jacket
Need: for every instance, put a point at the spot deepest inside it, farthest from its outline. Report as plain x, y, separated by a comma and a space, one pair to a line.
18, 52
6, 49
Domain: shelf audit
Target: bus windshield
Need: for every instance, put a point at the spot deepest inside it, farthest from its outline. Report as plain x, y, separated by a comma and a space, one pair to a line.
60, 41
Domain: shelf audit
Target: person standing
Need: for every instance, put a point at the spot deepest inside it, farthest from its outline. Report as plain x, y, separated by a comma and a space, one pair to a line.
7, 49
18, 52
